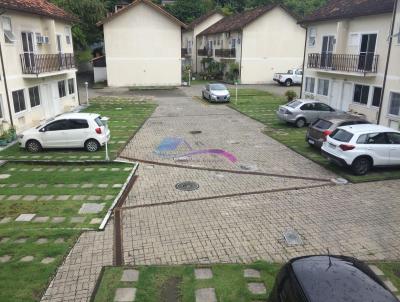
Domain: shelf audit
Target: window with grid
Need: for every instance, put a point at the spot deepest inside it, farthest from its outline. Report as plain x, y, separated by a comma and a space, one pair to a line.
34, 96
310, 84
323, 87
71, 86
361, 94
376, 98
394, 108
19, 100
61, 89
9, 36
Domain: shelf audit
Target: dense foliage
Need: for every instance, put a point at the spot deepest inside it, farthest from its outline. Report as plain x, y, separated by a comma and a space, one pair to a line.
89, 12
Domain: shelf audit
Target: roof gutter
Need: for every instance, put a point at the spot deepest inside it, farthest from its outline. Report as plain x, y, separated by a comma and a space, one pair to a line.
387, 61
5, 82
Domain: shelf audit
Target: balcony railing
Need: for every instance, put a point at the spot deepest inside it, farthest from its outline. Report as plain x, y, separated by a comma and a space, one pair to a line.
226, 53
37, 64
205, 52
362, 63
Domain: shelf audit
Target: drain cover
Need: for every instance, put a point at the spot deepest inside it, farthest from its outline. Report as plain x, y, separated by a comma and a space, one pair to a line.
340, 181
187, 186
292, 238
195, 132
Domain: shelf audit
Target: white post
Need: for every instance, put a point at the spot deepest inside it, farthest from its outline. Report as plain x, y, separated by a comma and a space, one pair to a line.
190, 76
87, 93
105, 122
236, 88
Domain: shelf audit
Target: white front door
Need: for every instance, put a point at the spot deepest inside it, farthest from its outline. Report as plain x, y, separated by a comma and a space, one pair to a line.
335, 95
347, 96
47, 100
57, 101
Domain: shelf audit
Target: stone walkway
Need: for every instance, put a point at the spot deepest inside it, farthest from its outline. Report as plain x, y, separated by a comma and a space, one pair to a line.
231, 217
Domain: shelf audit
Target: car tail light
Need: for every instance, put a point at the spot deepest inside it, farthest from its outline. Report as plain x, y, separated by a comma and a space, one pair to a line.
345, 147
98, 130
326, 133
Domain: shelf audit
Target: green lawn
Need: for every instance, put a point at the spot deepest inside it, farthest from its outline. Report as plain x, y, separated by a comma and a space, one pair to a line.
37, 189
228, 281
261, 106
391, 271
126, 117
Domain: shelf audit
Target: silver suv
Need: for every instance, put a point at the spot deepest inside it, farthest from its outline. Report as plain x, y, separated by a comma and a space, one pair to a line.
302, 112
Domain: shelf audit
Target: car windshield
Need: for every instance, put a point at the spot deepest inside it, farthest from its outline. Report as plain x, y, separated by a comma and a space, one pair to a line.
43, 124
293, 104
322, 124
341, 135
217, 87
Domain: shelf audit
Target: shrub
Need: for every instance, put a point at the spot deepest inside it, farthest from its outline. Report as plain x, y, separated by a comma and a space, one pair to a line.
290, 95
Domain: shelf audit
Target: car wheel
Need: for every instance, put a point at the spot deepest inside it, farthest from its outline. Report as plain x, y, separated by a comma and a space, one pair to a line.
361, 165
92, 145
33, 146
288, 83
300, 123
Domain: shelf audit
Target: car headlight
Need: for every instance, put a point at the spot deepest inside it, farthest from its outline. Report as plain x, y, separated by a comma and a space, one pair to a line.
20, 136
214, 96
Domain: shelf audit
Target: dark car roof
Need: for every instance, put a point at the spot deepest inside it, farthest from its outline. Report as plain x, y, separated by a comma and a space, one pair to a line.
339, 279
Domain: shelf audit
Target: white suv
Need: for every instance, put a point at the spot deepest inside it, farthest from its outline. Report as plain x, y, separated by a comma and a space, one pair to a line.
362, 147
70, 130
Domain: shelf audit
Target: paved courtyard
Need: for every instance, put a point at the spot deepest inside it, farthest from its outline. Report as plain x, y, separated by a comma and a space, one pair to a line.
249, 191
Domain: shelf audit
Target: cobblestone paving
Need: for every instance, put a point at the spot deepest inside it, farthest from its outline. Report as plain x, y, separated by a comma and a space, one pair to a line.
360, 220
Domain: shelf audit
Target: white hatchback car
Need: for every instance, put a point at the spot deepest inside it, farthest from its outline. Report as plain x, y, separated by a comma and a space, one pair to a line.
362, 147
70, 130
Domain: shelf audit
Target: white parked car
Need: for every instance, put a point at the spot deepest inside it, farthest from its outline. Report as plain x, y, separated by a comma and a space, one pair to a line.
362, 147
70, 130
293, 76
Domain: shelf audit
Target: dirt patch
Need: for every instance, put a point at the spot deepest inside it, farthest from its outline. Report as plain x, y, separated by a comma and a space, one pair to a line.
170, 290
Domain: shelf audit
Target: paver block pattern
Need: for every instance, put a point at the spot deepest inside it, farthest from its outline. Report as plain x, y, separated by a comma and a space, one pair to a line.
4, 176
96, 221
5, 220
27, 259
203, 273
58, 219
94, 198
257, 288
14, 197
77, 219
125, 295
47, 260
41, 219
206, 295
59, 240
46, 197
5, 258
91, 208
390, 286
42, 241
4, 239
376, 270
63, 197
21, 240
25, 217
79, 197
29, 198
251, 273
130, 275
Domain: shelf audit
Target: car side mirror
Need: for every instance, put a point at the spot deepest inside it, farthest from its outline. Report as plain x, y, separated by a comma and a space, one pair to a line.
43, 129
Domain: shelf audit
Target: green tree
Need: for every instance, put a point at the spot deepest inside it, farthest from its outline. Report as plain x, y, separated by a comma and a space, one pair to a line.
89, 12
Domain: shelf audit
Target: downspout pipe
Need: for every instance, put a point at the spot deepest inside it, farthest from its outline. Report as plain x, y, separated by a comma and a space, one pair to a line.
5, 82
304, 62
387, 62
241, 55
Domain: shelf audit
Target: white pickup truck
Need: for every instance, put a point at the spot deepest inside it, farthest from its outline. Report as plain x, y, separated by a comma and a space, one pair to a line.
293, 76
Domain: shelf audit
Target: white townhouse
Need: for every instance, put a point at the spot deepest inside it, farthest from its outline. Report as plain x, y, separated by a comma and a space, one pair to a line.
347, 52
262, 41
142, 46
189, 37
37, 66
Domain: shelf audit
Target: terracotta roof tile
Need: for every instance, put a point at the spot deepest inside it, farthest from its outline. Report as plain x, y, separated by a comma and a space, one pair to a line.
342, 9
239, 21
37, 7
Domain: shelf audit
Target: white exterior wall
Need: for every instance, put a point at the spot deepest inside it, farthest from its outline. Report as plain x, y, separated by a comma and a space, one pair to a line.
393, 79
50, 103
341, 84
272, 43
143, 48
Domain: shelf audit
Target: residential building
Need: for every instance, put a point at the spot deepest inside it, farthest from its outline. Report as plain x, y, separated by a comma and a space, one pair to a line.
189, 37
261, 41
38, 78
142, 46
346, 56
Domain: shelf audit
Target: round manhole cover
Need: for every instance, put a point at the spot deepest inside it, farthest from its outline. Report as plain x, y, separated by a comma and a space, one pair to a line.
195, 132
187, 186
